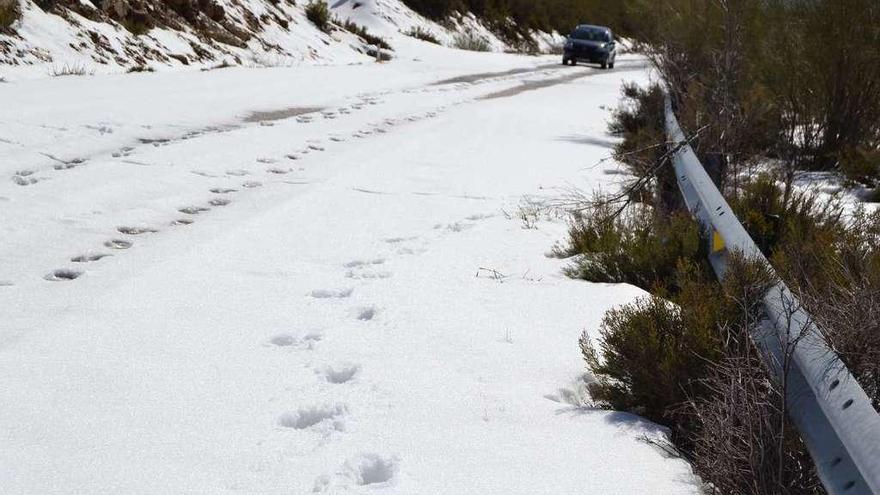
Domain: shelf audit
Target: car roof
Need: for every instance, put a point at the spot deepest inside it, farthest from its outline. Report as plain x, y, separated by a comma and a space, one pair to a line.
591, 26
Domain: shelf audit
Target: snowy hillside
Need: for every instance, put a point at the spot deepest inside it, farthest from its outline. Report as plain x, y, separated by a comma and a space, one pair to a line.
86, 36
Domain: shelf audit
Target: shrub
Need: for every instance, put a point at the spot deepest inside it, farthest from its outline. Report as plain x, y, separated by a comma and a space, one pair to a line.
422, 34
774, 220
658, 353
639, 121
469, 40
365, 35
70, 70
637, 247
319, 14
9, 13
861, 166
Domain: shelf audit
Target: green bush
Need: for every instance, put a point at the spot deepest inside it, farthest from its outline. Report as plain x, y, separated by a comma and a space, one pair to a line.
9, 13
861, 166
774, 221
422, 34
639, 121
365, 35
469, 40
318, 13
638, 247
656, 353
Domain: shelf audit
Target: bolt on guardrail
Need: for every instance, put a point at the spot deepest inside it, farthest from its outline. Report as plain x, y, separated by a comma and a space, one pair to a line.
833, 414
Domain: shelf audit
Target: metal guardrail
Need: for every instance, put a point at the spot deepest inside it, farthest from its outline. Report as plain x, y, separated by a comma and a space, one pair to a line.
835, 418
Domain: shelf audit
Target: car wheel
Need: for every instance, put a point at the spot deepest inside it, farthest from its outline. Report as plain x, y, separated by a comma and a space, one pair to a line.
604, 65
574, 61
565, 61
611, 65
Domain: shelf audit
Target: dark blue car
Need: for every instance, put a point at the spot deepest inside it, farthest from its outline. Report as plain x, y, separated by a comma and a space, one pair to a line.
590, 44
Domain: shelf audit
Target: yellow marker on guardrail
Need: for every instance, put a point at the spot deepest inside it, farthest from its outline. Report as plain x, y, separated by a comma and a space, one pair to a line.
717, 242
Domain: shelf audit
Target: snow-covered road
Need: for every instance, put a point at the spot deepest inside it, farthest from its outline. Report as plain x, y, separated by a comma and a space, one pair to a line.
196, 299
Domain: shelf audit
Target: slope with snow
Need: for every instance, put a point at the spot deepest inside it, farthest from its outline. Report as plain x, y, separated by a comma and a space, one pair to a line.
82, 36
308, 280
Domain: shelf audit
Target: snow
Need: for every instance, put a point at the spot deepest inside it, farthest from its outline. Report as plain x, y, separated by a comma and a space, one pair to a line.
45, 43
334, 296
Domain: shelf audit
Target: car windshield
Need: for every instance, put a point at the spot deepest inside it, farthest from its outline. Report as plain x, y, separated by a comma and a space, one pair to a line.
591, 34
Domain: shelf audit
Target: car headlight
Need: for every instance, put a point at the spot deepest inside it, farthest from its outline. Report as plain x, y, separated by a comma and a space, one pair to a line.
603, 46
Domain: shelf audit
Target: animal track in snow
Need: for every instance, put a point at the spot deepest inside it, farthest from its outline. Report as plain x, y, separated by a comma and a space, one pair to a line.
182, 221
479, 216
124, 151
372, 469
118, 244
88, 258
219, 202
363, 263
62, 275
398, 240
368, 275
267, 161
290, 340
222, 190
340, 374
315, 147
332, 293
193, 210
366, 313
327, 415
135, 230
69, 164
279, 171
251, 184
292, 156
24, 178
238, 172
6, 283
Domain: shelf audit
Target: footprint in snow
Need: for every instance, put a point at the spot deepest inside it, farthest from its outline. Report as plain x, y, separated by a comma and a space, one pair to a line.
251, 184
479, 216
135, 230
279, 171
325, 417
24, 178
332, 293
398, 240
222, 190
118, 244
62, 275
266, 161
219, 202
362, 470
363, 263
89, 257
306, 342
238, 172
368, 274
182, 221
193, 210
67, 165
365, 313
340, 373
